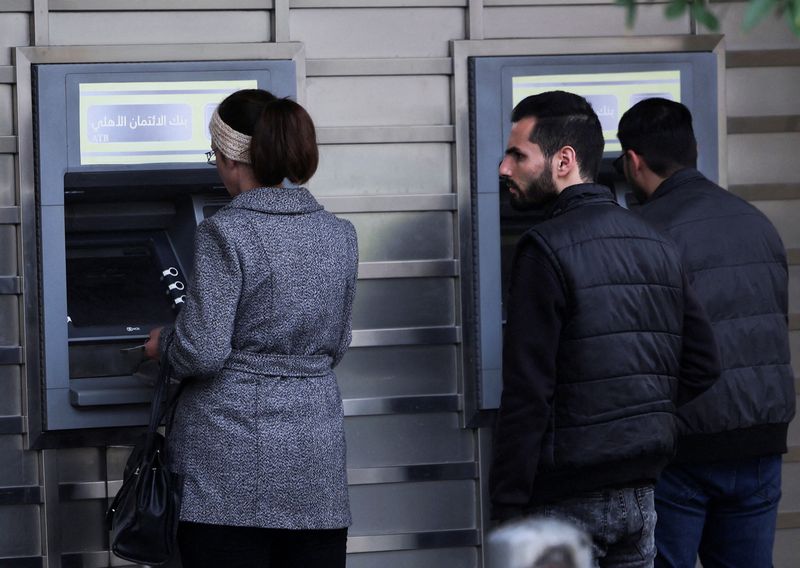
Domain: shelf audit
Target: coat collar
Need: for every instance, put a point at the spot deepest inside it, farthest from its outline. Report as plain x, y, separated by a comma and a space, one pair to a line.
276, 201
675, 181
577, 195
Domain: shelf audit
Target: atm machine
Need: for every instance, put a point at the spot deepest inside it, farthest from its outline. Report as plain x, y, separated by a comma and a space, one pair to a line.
122, 181
612, 83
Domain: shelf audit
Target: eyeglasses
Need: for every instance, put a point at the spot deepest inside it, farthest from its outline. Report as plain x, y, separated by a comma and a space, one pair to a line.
619, 164
211, 157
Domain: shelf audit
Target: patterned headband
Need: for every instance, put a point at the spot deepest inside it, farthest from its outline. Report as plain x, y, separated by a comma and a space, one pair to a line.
232, 144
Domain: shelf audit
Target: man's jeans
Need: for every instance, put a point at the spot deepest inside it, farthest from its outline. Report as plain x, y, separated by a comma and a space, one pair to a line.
725, 512
620, 522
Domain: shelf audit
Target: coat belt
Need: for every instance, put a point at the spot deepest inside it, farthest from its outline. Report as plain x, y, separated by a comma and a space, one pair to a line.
279, 365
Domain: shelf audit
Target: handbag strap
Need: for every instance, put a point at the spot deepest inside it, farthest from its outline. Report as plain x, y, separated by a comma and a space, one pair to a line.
158, 408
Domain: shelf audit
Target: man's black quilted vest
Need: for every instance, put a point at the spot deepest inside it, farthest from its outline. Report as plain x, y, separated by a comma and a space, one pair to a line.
620, 346
736, 264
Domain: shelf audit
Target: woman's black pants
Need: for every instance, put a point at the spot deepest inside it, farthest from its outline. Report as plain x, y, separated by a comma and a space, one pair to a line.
222, 546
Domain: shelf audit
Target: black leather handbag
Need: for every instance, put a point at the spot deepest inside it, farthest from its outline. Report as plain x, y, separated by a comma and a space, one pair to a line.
143, 518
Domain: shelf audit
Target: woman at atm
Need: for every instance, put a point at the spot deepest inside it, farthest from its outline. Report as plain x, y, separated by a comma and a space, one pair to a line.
258, 431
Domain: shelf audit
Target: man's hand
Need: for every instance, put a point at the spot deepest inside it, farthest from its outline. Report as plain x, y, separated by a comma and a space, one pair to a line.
151, 345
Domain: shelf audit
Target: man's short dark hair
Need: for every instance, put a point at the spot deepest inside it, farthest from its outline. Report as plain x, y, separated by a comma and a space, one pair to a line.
565, 119
660, 131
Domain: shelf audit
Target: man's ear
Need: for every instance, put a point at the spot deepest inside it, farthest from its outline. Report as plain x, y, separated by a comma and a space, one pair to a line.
564, 161
637, 163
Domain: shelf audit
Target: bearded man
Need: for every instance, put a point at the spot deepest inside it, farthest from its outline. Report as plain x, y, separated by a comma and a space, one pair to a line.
603, 340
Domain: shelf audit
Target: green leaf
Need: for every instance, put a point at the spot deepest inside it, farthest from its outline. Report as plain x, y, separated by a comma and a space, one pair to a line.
794, 14
704, 16
675, 9
756, 11
630, 11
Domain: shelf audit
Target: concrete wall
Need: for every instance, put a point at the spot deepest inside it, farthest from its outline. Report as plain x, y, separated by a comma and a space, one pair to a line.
379, 86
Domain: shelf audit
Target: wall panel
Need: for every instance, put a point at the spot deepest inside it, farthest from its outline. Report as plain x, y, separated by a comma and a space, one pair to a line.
794, 289
398, 371
14, 32
17, 467
20, 534
380, 441
10, 401
410, 507
122, 28
379, 101
763, 158
8, 250
768, 91
8, 190
576, 21
404, 302
6, 111
377, 32
403, 236
790, 501
784, 215
386, 169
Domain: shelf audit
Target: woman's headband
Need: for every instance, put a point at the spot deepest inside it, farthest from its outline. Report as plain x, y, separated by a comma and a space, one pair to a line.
231, 143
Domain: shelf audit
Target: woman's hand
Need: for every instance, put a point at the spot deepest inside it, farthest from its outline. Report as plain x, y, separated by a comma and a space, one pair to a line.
151, 345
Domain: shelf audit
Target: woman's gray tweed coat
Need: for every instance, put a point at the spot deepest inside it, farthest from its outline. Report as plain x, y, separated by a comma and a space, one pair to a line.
258, 431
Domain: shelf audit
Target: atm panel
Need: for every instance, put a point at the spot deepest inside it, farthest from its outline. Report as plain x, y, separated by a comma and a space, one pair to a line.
122, 183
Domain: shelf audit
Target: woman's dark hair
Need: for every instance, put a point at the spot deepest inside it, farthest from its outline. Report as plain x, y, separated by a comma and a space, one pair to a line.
284, 141
660, 131
564, 119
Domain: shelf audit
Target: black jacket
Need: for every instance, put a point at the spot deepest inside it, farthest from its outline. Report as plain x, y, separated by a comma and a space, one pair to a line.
602, 338
737, 266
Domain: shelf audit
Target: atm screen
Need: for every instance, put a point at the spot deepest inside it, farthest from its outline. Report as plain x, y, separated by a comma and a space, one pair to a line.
610, 94
112, 286
149, 122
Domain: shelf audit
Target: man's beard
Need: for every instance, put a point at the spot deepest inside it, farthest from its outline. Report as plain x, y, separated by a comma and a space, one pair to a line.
540, 192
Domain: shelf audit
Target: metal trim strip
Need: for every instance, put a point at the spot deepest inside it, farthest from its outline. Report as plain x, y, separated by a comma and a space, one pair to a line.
377, 67
11, 355
94, 490
413, 541
406, 336
377, 3
763, 124
8, 74
157, 5
763, 58
21, 495
385, 134
412, 473
12, 424
407, 269
9, 215
82, 490
8, 144
390, 203
401, 405
10, 285
766, 191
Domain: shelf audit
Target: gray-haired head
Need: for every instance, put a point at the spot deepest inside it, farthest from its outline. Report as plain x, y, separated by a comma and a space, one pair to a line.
539, 543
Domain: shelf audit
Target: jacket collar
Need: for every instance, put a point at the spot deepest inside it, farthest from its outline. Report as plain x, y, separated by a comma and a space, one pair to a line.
276, 201
675, 181
577, 195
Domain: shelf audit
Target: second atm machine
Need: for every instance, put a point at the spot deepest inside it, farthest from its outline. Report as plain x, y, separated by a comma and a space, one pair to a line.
122, 182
